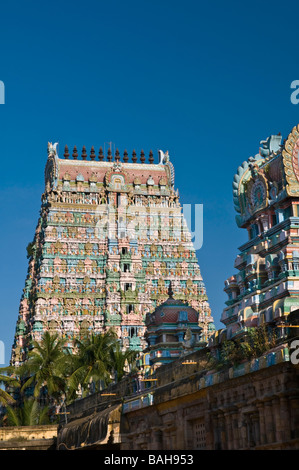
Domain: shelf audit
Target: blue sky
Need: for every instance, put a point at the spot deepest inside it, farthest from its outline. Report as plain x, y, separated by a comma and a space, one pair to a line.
205, 80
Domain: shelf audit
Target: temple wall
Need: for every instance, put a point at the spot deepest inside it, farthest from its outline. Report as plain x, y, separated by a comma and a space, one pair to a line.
253, 405
42, 437
256, 411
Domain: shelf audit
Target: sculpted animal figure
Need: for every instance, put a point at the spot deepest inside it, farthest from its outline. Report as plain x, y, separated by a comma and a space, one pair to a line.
163, 157
52, 148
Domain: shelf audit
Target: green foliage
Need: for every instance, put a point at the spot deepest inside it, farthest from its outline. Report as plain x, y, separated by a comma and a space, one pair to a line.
5, 397
99, 360
92, 363
122, 361
54, 375
257, 341
8, 381
45, 367
30, 413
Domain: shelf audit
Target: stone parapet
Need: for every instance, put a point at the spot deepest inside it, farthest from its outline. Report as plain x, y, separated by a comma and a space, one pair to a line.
42, 437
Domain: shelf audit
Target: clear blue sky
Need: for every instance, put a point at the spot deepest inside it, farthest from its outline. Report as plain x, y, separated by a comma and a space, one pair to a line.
205, 80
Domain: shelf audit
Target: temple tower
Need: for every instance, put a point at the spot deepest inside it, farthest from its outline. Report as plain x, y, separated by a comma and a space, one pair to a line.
172, 331
265, 288
110, 238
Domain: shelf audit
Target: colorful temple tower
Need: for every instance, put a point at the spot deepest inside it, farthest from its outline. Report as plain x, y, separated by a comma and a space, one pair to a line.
266, 197
110, 238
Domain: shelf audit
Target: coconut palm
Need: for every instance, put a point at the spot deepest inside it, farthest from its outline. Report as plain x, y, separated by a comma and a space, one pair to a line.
11, 381
45, 367
92, 363
30, 413
5, 397
122, 361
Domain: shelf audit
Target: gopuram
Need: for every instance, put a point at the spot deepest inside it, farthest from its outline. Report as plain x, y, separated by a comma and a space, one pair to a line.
110, 238
265, 289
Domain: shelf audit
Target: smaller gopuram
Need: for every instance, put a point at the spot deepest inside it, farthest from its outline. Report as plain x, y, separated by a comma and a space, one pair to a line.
173, 330
266, 196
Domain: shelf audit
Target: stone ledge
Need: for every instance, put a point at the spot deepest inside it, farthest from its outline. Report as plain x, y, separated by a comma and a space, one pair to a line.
24, 444
27, 433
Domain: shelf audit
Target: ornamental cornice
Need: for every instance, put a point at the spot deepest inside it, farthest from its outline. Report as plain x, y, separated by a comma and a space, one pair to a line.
74, 295
98, 164
290, 161
77, 206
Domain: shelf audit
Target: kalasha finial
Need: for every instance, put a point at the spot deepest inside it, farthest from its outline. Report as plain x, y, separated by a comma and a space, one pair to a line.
170, 291
101, 154
134, 157
109, 157
142, 156
126, 158
84, 153
75, 153
66, 152
151, 157
92, 153
117, 156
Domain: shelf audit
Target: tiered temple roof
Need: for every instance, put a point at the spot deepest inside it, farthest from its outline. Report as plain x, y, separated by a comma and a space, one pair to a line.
110, 238
265, 288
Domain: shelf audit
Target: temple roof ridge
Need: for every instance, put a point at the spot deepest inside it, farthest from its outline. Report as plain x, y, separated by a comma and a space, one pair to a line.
92, 157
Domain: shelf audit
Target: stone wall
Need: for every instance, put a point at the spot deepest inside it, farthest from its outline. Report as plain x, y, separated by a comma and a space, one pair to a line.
259, 410
254, 405
41, 437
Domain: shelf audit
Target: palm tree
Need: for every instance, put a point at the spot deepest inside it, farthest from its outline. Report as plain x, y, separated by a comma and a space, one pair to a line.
11, 381
92, 363
122, 361
45, 367
30, 413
